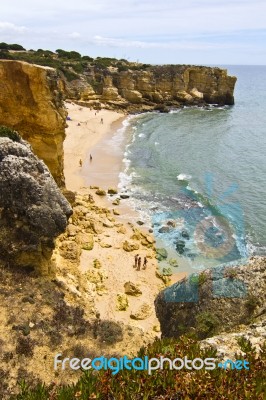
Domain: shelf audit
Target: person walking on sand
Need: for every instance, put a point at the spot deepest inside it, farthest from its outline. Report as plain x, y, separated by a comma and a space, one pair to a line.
90, 157
145, 263
139, 264
101, 120
80, 162
136, 261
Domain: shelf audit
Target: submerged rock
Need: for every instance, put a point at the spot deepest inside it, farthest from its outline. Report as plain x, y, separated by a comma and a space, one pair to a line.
161, 254
180, 246
33, 212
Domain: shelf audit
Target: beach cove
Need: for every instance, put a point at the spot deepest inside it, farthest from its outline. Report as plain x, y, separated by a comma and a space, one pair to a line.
86, 136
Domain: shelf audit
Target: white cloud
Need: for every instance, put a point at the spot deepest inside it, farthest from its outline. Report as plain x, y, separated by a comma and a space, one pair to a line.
8, 27
185, 45
74, 35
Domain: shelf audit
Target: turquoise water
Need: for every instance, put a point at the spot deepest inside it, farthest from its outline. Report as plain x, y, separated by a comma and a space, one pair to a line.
203, 169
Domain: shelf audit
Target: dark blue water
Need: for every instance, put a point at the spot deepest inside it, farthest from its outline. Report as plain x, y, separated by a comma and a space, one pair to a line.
204, 171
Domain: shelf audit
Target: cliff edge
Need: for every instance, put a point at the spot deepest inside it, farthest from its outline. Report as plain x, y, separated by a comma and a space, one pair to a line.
156, 88
31, 103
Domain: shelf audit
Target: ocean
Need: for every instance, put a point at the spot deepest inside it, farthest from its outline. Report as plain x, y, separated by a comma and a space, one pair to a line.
197, 176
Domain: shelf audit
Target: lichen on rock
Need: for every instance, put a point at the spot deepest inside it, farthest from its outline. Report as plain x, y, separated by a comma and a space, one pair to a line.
33, 212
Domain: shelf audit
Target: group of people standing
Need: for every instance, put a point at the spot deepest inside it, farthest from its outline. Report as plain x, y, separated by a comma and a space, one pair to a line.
137, 264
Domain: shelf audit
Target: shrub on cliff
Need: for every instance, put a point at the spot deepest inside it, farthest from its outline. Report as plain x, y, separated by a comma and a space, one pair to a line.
5, 55
10, 133
164, 383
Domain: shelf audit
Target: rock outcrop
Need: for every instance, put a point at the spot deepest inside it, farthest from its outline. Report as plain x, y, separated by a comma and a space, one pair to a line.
31, 103
213, 301
157, 87
33, 212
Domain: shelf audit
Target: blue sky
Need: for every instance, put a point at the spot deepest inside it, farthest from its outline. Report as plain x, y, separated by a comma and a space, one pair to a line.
170, 31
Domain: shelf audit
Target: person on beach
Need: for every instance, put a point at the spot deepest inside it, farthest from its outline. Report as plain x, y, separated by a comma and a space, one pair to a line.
101, 120
139, 264
80, 162
136, 261
90, 157
145, 263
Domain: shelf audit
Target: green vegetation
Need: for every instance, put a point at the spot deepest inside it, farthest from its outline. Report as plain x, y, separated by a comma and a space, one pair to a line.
207, 325
162, 384
198, 279
231, 273
5, 46
70, 63
251, 302
10, 133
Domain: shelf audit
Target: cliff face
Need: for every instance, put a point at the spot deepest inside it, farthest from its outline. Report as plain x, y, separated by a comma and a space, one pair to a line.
31, 103
155, 88
216, 300
33, 211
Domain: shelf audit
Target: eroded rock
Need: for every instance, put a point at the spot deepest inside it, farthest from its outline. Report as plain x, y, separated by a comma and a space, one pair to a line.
132, 289
33, 210
31, 103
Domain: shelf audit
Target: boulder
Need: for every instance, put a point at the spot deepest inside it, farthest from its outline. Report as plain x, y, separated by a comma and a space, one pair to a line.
105, 245
97, 263
217, 300
116, 202
112, 191
132, 289
164, 229
180, 246
161, 254
130, 245
121, 302
70, 250
101, 192
143, 312
33, 210
86, 240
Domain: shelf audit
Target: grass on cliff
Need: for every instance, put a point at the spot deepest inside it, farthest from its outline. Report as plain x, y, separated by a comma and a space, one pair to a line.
163, 384
9, 133
70, 63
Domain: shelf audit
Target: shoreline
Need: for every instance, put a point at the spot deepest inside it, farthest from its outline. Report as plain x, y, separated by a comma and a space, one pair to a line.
83, 133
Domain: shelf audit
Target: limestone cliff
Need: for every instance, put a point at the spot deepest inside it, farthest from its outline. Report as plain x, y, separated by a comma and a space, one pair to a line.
31, 103
157, 87
33, 211
214, 301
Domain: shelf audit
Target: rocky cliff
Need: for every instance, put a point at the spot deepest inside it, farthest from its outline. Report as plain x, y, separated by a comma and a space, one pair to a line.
31, 103
33, 211
157, 87
214, 301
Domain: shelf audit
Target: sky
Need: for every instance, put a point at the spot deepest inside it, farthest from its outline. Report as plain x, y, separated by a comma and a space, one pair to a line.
203, 32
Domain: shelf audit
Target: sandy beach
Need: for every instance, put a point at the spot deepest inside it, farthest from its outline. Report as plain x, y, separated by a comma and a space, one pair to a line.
85, 130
